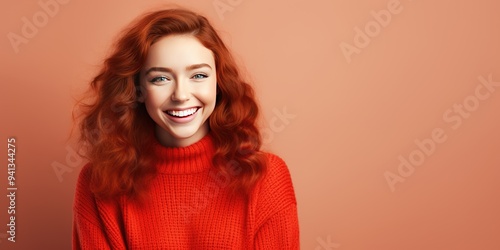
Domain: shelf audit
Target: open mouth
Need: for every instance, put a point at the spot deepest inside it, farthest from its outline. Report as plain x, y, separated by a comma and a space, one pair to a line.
182, 113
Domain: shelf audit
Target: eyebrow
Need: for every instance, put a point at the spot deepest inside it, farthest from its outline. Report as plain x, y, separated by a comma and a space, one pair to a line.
169, 70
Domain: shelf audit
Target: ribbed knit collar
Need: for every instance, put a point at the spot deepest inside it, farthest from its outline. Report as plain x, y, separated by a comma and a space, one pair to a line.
194, 158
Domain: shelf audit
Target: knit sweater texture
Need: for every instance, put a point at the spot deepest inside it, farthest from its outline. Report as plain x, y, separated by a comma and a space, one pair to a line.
189, 207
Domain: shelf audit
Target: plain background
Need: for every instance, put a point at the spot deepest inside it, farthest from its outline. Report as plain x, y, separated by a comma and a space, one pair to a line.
351, 120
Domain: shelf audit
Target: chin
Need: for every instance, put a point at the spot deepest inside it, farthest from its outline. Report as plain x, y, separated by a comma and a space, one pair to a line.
182, 135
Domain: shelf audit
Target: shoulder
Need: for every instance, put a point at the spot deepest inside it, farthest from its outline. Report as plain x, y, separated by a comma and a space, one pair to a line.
83, 194
84, 176
275, 160
277, 172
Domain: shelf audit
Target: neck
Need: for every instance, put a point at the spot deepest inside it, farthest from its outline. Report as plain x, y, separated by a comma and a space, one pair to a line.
194, 158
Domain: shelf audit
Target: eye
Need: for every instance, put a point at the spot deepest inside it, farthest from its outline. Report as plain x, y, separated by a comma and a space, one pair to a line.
200, 76
159, 79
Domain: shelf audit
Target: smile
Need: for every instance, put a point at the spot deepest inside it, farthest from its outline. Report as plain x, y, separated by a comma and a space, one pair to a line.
182, 113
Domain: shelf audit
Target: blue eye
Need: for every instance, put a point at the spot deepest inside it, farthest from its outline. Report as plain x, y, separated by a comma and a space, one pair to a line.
200, 76
159, 79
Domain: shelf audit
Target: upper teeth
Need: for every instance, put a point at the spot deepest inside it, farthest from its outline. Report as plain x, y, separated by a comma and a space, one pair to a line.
182, 113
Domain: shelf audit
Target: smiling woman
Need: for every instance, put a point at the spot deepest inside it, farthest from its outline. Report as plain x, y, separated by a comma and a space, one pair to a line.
173, 148
179, 89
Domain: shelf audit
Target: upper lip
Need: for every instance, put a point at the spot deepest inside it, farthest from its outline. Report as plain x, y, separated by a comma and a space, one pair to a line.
182, 109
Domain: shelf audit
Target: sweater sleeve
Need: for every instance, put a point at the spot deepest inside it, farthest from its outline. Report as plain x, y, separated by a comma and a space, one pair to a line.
88, 229
281, 231
276, 214
86, 235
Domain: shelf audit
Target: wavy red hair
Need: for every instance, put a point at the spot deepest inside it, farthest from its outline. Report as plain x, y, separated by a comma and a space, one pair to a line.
114, 125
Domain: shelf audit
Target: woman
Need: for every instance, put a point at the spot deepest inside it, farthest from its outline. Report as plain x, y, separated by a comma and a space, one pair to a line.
173, 148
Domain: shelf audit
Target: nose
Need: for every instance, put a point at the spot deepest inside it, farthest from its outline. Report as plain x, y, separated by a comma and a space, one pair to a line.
181, 91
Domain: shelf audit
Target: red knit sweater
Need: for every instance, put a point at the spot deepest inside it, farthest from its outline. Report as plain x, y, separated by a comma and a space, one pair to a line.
189, 208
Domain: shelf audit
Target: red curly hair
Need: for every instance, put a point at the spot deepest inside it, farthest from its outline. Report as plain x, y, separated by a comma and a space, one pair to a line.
114, 125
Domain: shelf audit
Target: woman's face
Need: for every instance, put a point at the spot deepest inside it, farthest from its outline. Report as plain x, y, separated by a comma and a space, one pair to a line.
178, 88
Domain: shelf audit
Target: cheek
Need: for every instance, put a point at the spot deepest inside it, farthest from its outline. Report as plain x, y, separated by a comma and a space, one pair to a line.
155, 98
208, 94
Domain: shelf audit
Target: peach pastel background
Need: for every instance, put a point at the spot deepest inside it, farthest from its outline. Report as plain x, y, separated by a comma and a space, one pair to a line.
362, 91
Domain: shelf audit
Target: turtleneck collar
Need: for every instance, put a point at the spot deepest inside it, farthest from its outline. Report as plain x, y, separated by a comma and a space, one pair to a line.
194, 158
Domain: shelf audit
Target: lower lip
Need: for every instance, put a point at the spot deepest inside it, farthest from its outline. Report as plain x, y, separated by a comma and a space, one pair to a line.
185, 119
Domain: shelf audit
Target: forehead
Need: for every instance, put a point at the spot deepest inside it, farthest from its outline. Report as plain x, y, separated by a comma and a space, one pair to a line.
178, 51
